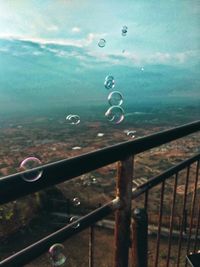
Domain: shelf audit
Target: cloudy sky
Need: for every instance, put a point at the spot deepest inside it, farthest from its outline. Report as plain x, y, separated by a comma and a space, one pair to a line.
165, 32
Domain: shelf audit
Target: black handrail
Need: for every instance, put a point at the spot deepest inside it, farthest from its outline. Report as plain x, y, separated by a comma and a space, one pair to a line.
60, 171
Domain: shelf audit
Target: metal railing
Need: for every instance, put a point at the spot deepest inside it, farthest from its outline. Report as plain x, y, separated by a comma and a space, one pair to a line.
58, 172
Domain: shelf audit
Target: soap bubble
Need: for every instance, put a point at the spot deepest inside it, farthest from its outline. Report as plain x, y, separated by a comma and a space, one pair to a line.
115, 114
57, 254
115, 98
124, 30
28, 164
102, 43
109, 82
74, 219
131, 134
76, 201
73, 119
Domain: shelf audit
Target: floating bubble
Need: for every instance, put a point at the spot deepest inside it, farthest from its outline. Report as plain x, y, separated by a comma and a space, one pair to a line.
109, 82
102, 43
131, 134
115, 98
28, 164
57, 254
124, 30
73, 119
73, 220
142, 69
76, 201
115, 114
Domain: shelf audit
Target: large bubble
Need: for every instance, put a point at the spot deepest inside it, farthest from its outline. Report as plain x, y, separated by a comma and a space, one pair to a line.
109, 82
28, 164
57, 254
115, 114
115, 98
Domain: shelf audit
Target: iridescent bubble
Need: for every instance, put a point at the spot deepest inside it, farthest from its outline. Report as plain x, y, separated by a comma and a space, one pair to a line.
115, 98
109, 82
115, 114
102, 43
57, 254
28, 164
73, 220
73, 119
76, 201
131, 134
124, 30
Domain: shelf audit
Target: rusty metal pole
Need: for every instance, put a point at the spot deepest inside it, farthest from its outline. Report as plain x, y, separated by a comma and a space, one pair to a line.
140, 238
91, 246
123, 215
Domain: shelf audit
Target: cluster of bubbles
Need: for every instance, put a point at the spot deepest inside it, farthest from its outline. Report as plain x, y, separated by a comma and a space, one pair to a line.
115, 113
76, 202
124, 30
28, 164
57, 255
73, 119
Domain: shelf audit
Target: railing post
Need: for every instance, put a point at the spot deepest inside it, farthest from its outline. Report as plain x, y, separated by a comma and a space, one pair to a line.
123, 215
139, 238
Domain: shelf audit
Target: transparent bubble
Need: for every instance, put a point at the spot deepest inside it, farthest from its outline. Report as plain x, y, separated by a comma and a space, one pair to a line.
102, 43
57, 254
73, 119
73, 220
109, 82
76, 201
115, 114
28, 164
131, 134
124, 30
142, 69
115, 98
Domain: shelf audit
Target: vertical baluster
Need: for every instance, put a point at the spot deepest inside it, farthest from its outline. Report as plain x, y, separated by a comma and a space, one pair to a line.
197, 231
139, 238
123, 215
91, 246
171, 219
192, 208
159, 223
183, 217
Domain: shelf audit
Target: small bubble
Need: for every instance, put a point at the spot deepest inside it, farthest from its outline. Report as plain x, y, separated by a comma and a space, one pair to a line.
73, 220
124, 30
28, 164
57, 254
109, 82
93, 180
115, 98
115, 114
73, 119
102, 43
76, 201
142, 69
131, 134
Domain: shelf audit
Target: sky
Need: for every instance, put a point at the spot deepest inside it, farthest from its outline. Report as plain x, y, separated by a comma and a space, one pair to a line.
165, 32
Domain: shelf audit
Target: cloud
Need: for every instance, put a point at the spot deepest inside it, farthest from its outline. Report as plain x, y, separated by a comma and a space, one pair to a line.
52, 28
76, 29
